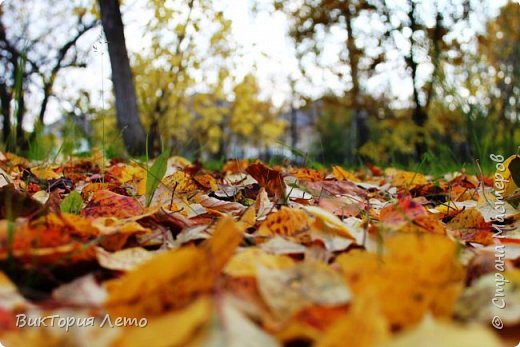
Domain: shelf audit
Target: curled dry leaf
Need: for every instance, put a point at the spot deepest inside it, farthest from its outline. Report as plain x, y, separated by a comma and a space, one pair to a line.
231, 207
479, 302
45, 173
508, 180
14, 204
83, 291
4, 178
271, 180
319, 189
279, 245
233, 329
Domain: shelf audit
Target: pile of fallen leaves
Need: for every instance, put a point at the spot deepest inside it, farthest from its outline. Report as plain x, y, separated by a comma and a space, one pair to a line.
255, 255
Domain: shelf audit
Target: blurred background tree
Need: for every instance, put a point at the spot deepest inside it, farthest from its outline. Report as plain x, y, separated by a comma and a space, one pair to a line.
392, 82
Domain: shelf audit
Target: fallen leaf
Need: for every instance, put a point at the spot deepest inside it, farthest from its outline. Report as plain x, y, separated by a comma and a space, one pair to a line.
288, 290
230, 207
286, 222
270, 179
45, 173
405, 179
433, 333
83, 291
174, 329
307, 174
419, 273
246, 262
105, 203
180, 182
362, 326
329, 222
233, 329
123, 260
179, 275
343, 175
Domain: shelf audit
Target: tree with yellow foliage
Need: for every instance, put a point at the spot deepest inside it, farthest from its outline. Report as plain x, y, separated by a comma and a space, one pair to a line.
252, 120
185, 38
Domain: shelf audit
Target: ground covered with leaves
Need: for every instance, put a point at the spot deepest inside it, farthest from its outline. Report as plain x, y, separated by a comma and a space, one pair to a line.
167, 253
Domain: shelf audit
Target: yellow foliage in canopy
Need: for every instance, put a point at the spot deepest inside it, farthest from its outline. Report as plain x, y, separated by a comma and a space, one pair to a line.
184, 84
250, 118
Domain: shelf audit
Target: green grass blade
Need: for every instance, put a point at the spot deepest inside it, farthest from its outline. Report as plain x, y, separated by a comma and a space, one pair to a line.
155, 175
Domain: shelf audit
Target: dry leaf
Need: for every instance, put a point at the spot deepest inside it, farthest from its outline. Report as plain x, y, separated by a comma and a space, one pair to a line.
432, 333
288, 290
343, 175
271, 180
105, 203
286, 222
173, 329
247, 262
178, 275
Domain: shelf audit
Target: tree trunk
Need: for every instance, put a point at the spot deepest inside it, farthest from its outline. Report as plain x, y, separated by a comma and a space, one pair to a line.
419, 115
126, 101
359, 121
5, 101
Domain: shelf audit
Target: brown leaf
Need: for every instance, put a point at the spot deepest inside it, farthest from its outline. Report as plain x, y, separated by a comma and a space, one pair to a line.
270, 179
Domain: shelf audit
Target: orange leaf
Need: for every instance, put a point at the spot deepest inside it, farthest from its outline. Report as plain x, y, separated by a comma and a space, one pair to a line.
105, 203
286, 222
307, 174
